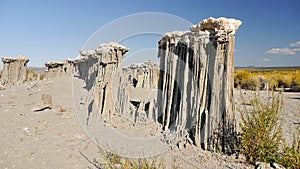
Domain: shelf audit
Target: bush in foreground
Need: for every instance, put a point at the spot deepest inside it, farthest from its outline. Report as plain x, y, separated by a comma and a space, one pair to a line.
261, 137
290, 156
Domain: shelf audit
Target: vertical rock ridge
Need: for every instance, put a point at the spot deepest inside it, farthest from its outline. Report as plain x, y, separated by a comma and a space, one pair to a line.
14, 70
136, 96
197, 83
98, 68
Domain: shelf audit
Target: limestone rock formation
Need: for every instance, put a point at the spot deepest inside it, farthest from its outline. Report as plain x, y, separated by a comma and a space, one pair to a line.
196, 81
136, 92
97, 68
14, 70
190, 95
59, 69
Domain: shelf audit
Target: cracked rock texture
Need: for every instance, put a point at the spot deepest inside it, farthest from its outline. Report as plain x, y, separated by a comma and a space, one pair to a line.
14, 70
197, 83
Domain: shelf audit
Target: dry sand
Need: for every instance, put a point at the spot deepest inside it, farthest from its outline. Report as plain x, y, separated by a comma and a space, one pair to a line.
54, 138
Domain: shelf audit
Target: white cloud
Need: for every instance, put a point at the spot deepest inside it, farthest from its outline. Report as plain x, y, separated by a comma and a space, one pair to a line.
297, 49
282, 51
297, 44
266, 60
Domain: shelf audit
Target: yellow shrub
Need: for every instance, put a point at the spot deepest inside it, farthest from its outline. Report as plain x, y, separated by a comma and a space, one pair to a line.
282, 78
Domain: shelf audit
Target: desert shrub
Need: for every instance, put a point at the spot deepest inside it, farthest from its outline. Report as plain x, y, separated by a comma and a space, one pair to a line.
261, 134
290, 156
114, 161
34, 75
242, 78
272, 79
42, 76
286, 78
261, 129
296, 82
285, 81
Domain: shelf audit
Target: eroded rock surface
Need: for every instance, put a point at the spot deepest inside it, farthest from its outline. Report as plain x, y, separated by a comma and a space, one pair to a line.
190, 95
98, 68
59, 69
137, 92
14, 70
197, 83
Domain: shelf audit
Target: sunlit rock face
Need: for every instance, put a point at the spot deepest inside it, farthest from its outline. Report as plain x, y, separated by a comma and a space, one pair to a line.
14, 70
190, 93
59, 69
136, 93
196, 80
130, 92
98, 68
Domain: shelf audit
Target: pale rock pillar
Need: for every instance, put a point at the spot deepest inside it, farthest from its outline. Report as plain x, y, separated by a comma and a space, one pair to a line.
14, 70
196, 81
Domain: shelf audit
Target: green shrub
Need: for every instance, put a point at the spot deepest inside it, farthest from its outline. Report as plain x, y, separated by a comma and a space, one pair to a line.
261, 134
290, 156
261, 130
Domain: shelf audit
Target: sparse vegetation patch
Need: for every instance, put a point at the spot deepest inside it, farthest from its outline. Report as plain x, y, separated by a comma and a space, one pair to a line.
268, 79
261, 137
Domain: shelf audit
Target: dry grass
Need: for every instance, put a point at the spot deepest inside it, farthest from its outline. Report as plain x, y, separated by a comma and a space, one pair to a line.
34, 75
42, 76
114, 161
253, 79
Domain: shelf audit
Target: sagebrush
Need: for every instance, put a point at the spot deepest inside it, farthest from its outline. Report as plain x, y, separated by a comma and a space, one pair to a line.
261, 133
261, 129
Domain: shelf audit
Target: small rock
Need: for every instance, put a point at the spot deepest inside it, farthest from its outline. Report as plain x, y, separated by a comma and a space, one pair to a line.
26, 129
41, 108
272, 165
277, 166
32, 86
262, 165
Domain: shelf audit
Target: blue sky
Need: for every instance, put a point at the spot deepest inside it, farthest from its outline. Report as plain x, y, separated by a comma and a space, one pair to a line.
55, 30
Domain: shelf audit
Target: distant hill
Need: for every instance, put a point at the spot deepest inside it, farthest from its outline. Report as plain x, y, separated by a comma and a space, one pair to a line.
266, 68
38, 70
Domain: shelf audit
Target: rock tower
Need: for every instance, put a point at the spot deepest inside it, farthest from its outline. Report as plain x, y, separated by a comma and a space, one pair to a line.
14, 70
196, 81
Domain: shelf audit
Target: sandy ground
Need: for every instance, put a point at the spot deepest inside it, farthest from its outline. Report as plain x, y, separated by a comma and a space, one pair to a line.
54, 138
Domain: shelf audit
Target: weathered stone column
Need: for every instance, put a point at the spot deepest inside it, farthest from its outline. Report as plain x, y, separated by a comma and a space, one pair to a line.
97, 68
54, 70
14, 70
59, 69
135, 92
196, 81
